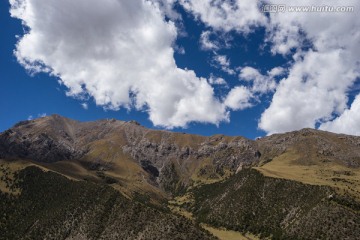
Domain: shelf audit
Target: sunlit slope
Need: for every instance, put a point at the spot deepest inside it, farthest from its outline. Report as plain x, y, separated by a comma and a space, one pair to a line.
139, 159
313, 157
303, 183
134, 159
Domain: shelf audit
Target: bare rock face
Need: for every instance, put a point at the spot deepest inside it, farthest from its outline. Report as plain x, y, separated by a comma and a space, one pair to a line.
177, 162
313, 146
170, 161
53, 138
214, 176
43, 140
238, 151
222, 151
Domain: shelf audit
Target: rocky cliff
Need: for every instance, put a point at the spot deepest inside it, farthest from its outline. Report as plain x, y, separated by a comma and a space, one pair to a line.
274, 187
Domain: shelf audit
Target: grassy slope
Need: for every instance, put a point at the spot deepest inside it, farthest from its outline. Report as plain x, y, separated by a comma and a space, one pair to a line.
224, 234
311, 157
109, 155
286, 166
52, 206
281, 209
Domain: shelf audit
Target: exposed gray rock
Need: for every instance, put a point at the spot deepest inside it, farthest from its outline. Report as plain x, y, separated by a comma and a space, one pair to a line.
169, 159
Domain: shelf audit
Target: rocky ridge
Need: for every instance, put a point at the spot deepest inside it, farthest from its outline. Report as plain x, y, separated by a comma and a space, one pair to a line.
170, 161
274, 187
159, 153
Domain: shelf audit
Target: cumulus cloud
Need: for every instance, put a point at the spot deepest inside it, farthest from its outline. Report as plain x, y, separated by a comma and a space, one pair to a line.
288, 30
167, 8
283, 35
239, 98
319, 79
206, 43
242, 97
217, 80
348, 122
325, 57
260, 83
314, 89
181, 50
276, 71
118, 52
121, 54
85, 106
226, 15
223, 62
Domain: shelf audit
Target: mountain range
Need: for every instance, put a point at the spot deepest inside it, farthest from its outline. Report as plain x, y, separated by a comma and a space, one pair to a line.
111, 179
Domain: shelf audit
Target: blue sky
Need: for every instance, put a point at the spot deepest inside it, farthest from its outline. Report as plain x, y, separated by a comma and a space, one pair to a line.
252, 43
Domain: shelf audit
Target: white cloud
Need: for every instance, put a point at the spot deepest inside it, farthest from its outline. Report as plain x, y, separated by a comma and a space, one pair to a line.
85, 106
314, 89
239, 98
167, 8
348, 122
319, 79
226, 15
121, 54
181, 50
276, 71
217, 80
118, 52
260, 83
283, 34
224, 63
288, 29
39, 115
242, 97
206, 43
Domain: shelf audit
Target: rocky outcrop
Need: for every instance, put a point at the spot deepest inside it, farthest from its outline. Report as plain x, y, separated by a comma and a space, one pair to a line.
31, 140
313, 146
168, 157
213, 176
169, 160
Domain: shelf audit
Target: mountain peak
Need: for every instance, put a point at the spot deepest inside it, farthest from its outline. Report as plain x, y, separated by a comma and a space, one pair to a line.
154, 166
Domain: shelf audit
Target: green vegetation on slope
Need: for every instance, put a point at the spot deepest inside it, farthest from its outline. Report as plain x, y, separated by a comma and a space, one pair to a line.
276, 208
51, 206
308, 187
